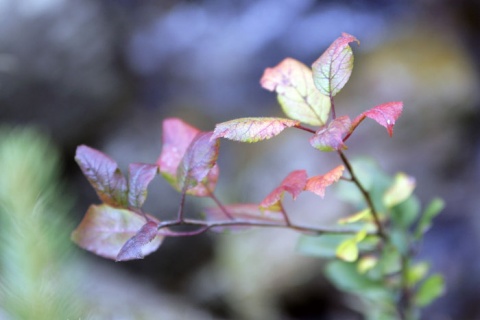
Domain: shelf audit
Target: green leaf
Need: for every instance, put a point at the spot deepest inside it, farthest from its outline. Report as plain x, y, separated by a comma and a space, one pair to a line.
296, 92
430, 212
416, 273
429, 290
333, 69
346, 277
390, 261
347, 250
406, 212
364, 215
372, 178
324, 246
400, 239
366, 263
252, 129
402, 188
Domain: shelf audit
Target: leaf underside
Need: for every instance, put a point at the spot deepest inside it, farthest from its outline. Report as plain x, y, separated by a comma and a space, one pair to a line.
104, 230
330, 138
103, 174
198, 161
252, 129
333, 69
299, 98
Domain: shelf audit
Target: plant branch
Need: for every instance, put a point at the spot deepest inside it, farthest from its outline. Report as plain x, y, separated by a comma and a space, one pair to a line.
181, 206
285, 215
365, 194
220, 205
332, 107
299, 126
404, 304
206, 225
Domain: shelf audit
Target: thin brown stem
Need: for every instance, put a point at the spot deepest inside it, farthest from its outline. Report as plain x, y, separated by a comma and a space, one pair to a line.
332, 107
220, 205
404, 305
204, 226
180, 215
285, 215
299, 126
365, 194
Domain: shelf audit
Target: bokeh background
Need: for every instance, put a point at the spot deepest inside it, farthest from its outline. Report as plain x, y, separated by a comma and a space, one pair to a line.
107, 72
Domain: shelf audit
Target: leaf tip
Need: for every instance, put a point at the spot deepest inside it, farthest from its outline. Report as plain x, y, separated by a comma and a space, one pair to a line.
348, 37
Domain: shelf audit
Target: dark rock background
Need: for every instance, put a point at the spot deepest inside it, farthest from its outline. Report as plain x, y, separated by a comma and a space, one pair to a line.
106, 73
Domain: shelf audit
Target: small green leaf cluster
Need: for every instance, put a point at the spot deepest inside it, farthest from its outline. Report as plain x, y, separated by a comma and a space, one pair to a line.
376, 269
372, 251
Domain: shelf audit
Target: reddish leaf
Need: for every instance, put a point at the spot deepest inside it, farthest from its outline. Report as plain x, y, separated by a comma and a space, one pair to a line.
104, 230
333, 69
198, 161
177, 136
139, 177
385, 114
330, 138
294, 183
243, 212
252, 129
300, 100
318, 184
133, 248
103, 174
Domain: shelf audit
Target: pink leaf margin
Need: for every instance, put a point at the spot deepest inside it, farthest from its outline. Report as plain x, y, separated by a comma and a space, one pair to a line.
318, 184
252, 129
385, 114
294, 184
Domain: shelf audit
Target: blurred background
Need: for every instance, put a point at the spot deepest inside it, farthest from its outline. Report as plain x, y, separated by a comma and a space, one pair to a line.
107, 72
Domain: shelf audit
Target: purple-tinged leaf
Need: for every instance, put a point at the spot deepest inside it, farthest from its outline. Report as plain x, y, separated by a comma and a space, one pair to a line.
103, 174
104, 230
176, 137
208, 184
294, 184
252, 129
330, 138
333, 69
385, 114
318, 184
296, 92
139, 177
246, 212
198, 161
134, 248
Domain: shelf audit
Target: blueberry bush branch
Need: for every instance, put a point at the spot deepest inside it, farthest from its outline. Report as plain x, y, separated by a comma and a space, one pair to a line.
371, 253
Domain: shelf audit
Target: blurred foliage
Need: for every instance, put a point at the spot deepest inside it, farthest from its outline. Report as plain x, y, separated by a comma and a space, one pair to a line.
34, 234
385, 275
